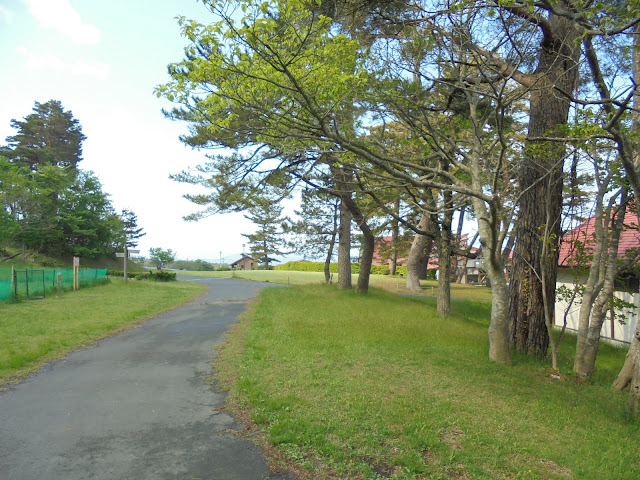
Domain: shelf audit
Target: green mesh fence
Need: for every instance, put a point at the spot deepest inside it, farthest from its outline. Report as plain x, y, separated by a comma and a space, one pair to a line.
34, 283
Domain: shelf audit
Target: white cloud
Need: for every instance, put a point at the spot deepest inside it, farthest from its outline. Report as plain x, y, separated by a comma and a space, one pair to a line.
60, 15
51, 62
6, 14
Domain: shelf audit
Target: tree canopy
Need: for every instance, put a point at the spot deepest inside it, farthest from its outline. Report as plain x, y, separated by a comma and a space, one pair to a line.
47, 203
442, 104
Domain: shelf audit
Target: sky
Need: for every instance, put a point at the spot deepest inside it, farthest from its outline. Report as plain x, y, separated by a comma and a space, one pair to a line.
102, 60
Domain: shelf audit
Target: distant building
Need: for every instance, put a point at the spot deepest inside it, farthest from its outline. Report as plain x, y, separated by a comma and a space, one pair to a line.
247, 262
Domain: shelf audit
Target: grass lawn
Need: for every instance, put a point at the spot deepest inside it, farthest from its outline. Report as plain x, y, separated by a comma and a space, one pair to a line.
378, 386
392, 284
39, 331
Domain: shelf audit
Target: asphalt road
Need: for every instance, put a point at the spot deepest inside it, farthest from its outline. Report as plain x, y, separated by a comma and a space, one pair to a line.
136, 406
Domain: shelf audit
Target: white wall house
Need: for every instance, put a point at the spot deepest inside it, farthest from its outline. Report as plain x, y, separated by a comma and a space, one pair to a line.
611, 329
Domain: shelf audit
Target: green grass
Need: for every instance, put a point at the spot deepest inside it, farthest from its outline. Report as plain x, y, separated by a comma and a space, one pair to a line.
378, 386
392, 284
38, 331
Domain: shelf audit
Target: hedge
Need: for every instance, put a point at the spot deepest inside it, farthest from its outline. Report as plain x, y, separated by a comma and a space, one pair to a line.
333, 268
155, 275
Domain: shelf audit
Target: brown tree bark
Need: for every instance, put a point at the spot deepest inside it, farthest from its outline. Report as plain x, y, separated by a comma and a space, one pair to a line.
415, 255
332, 243
444, 259
557, 72
630, 373
344, 248
395, 235
423, 264
367, 247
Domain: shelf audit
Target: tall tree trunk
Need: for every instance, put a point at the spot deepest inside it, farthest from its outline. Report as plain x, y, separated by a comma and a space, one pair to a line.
423, 264
415, 255
460, 273
395, 235
444, 259
332, 243
367, 247
630, 373
488, 227
327, 260
549, 109
587, 347
344, 248
342, 179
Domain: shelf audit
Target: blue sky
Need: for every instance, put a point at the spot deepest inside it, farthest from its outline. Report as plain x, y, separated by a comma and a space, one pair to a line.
102, 60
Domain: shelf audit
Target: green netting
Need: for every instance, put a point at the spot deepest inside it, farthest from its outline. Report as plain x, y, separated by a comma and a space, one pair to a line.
5, 291
32, 283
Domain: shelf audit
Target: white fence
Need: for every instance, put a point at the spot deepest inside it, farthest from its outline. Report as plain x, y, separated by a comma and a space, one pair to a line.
612, 330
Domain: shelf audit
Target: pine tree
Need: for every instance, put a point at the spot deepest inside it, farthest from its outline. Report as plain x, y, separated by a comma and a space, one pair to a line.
130, 228
49, 136
268, 240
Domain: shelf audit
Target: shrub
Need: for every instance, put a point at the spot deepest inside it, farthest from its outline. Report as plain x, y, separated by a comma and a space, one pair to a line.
162, 276
156, 275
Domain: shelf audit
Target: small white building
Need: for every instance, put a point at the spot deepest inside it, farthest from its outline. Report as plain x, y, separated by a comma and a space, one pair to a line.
611, 329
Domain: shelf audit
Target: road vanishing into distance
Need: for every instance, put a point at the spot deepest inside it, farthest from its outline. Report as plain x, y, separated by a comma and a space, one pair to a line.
137, 406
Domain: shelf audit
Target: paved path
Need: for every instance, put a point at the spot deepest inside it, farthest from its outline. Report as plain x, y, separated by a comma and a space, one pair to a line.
136, 406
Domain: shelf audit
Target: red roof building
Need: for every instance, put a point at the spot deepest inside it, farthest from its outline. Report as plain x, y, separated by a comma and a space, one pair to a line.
584, 235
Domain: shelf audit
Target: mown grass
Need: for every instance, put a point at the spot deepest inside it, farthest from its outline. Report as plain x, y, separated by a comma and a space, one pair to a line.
38, 331
386, 282
378, 386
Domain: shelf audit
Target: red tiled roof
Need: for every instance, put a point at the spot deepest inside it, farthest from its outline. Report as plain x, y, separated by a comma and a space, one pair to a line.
629, 238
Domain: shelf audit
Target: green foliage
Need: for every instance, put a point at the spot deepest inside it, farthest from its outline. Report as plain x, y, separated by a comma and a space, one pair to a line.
160, 275
48, 204
161, 257
317, 226
258, 98
49, 136
130, 227
194, 265
268, 240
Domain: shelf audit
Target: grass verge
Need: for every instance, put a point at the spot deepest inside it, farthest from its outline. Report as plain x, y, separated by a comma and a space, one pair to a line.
378, 386
35, 332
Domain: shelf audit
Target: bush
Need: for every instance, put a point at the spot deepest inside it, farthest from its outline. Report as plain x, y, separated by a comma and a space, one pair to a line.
155, 275
162, 276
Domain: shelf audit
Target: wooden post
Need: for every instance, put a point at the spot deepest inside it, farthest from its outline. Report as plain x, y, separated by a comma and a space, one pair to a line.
76, 273
13, 281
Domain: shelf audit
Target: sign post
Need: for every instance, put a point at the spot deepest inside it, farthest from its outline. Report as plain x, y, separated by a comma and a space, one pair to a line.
125, 256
